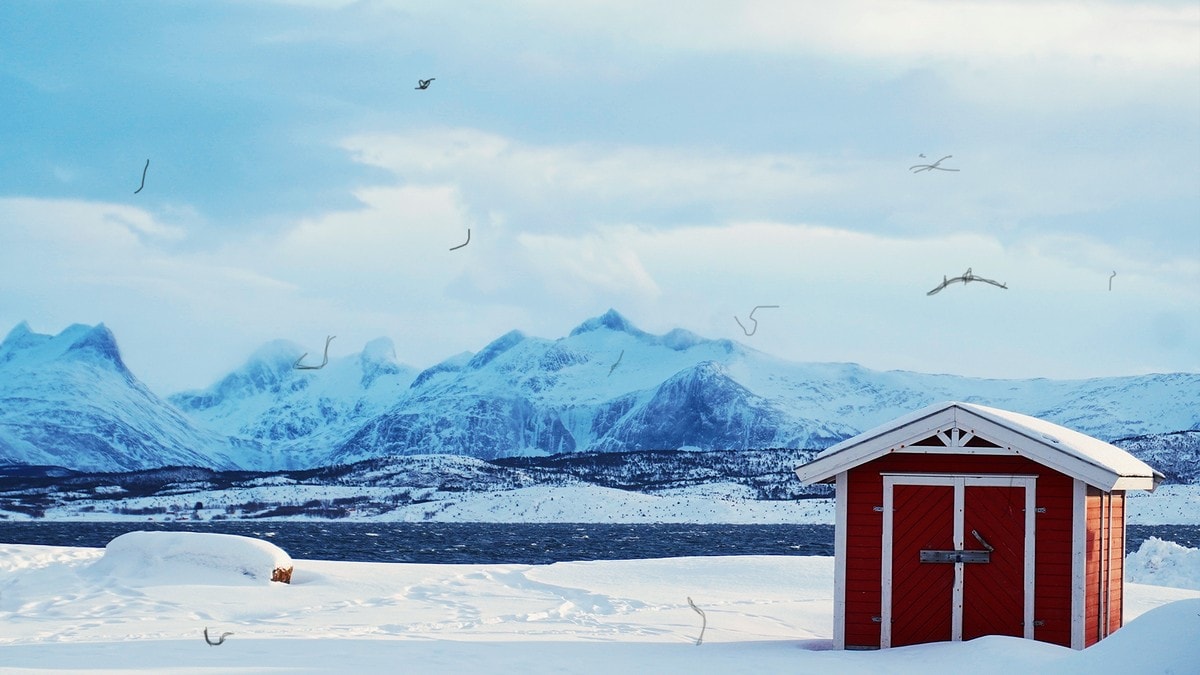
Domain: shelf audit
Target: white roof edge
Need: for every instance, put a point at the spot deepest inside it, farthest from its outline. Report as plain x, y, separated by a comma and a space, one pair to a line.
835, 458
1086, 448
903, 420
1135, 483
1094, 461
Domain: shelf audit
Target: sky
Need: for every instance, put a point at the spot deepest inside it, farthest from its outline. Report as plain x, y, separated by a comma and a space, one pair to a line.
682, 166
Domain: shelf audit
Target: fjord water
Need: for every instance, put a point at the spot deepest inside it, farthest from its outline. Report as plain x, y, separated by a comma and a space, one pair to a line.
494, 543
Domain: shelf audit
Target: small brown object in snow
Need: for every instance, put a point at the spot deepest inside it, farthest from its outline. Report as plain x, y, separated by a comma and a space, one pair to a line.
283, 574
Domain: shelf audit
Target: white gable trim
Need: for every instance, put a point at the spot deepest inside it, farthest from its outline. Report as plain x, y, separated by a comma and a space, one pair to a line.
871, 444
1042, 452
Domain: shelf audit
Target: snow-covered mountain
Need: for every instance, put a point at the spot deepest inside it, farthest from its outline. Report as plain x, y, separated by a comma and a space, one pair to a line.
68, 400
611, 387
300, 414
607, 386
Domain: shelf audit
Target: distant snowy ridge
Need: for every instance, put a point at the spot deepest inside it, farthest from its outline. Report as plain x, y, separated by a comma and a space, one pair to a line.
605, 387
752, 486
1175, 454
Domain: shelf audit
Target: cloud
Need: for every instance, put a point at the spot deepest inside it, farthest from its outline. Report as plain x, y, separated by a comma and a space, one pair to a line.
380, 237
1144, 35
1003, 187
1008, 54
544, 186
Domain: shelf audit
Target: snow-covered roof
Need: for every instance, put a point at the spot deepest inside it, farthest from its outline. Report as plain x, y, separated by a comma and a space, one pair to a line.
1078, 455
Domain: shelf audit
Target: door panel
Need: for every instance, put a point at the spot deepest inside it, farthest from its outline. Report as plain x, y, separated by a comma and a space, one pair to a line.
923, 518
994, 592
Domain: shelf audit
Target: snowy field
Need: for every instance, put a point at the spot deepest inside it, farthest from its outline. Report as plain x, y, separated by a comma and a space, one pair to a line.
142, 606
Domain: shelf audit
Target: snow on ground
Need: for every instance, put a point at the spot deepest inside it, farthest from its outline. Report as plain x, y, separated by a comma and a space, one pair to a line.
591, 504
710, 503
1164, 563
142, 604
141, 557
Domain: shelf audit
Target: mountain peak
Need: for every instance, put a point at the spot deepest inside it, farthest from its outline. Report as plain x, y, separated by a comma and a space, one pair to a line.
380, 350
21, 337
77, 342
95, 342
680, 339
612, 320
17, 334
378, 358
497, 347
274, 355
453, 364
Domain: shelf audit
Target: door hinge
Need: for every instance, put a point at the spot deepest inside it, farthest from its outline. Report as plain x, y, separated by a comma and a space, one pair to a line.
877, 509
877, 619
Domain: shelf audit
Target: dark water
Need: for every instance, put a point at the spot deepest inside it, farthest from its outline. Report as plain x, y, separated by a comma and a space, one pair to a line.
464, 542
489, 543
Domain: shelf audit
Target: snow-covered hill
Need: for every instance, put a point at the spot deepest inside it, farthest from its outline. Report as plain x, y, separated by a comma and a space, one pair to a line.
69, 400
1176, 454
747, 486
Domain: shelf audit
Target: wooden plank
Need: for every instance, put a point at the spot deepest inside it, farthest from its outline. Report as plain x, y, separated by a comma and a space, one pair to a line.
993, 602
921, 593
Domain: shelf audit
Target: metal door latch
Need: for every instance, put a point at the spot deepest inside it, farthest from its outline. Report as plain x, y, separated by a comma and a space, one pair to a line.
955, 556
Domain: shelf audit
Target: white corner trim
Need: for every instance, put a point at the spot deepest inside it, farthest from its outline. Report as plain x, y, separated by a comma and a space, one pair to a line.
956, 595
1030, 556
839, 556
885, 609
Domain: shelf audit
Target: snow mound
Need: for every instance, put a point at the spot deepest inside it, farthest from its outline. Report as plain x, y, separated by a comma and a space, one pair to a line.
190, 558
1163, 640
1164, 563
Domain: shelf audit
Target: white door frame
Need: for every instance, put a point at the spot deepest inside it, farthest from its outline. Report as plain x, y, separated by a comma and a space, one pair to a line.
960, 483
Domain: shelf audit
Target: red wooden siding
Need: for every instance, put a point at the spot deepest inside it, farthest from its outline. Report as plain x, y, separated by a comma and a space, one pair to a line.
994, 593
864, 551
922, 593
1105, 566
1092, 569
1116, 560
864, 537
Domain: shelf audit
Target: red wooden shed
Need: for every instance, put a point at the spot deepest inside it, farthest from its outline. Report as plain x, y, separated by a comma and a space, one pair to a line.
960, 520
